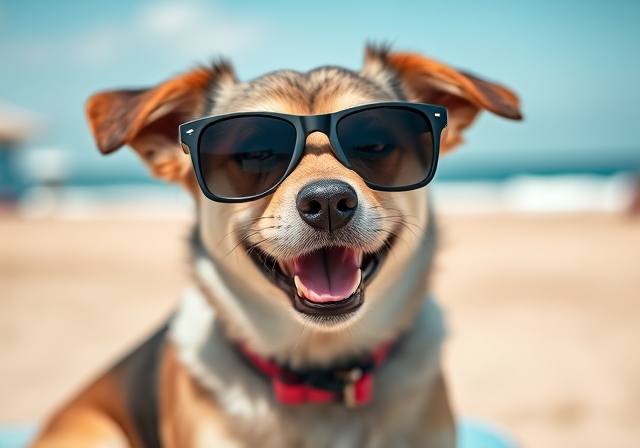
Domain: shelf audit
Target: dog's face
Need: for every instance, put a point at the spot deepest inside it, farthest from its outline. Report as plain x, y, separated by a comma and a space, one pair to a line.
322, 236
324, 250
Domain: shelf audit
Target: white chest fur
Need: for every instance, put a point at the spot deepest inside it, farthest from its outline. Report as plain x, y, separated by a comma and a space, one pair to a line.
402, 389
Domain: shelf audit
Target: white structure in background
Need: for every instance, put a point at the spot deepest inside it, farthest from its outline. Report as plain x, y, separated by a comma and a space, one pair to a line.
108, 202
17, 126
47, 168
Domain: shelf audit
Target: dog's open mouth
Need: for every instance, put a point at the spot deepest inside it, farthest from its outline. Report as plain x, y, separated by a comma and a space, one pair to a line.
327, 282
327, 275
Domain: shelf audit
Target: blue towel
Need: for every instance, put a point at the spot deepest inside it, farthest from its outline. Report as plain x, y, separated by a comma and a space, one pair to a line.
474, 433
16, 436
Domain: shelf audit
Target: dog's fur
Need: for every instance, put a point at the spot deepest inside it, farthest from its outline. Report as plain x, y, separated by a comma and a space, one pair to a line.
187, 386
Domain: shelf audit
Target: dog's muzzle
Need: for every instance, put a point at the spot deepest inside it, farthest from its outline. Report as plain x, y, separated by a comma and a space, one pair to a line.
326, 283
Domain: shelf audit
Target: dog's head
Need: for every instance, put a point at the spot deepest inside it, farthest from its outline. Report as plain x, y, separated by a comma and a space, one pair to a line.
307, 254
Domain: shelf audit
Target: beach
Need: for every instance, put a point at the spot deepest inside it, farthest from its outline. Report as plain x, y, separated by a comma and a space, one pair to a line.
542, 310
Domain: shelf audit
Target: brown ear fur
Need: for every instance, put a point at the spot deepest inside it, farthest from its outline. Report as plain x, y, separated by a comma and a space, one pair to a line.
148, 119
464, 95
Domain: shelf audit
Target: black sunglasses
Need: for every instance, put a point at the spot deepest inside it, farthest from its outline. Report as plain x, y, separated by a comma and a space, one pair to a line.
244, 156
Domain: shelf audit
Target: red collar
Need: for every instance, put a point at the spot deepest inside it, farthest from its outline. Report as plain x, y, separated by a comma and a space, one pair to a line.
351, 385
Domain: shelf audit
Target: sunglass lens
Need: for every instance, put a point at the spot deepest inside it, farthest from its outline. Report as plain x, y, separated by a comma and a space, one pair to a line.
388, 146
245, 156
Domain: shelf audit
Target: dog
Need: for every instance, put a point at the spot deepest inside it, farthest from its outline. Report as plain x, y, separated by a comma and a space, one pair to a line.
309, 320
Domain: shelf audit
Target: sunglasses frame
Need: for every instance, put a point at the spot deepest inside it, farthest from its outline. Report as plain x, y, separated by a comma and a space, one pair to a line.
190, 135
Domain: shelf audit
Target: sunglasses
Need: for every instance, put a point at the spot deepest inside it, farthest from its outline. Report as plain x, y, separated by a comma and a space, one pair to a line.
243, 156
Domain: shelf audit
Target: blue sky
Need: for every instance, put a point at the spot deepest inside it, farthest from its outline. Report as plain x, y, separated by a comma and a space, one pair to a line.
575, 65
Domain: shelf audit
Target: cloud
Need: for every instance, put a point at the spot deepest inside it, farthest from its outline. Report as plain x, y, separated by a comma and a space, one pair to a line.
194, 28
168, 19
180, 30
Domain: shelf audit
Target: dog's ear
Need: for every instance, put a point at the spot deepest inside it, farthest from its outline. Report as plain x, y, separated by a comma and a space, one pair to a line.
427, 81
148, 119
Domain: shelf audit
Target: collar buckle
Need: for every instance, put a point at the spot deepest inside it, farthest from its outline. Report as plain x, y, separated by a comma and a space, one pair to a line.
350, 378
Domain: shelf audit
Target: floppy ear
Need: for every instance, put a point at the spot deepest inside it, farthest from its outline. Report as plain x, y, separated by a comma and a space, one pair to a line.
464, 95
148, 119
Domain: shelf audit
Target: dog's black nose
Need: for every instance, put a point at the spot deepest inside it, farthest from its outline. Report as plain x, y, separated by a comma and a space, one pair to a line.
327, 204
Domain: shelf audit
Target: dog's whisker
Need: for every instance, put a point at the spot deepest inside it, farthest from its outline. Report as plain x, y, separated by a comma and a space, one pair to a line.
258, 218
240, 242
293, 349
409, 229
240, 230
386, 244
256, 245
403, 223
399, 219
390, 248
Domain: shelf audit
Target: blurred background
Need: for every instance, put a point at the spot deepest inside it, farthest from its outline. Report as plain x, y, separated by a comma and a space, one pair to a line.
538, 271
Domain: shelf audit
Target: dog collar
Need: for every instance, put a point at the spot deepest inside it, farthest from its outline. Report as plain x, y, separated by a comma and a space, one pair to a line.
351, 385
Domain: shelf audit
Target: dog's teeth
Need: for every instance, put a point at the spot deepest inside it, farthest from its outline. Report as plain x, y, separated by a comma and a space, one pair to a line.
360, 258
299, 286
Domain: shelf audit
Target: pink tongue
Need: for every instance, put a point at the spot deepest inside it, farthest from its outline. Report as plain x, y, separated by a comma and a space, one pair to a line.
329, 275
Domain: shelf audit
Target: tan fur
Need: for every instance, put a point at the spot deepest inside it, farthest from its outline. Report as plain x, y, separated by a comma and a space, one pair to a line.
206, 396
188, 414
97, 417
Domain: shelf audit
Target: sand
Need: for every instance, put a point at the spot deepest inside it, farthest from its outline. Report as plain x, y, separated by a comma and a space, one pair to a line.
543, 314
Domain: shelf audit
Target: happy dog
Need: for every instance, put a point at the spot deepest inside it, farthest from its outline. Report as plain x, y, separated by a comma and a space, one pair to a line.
309, 321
